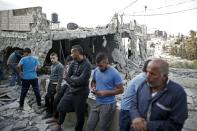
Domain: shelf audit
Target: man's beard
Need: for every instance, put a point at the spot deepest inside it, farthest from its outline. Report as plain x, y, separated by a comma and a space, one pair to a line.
103, 70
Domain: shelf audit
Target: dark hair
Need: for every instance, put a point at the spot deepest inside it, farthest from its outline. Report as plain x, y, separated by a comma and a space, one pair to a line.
145, 65
100, 56
53, 54
69, 58
27, 50
78, 48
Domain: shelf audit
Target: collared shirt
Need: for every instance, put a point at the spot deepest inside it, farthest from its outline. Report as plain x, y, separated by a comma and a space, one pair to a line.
167, 110
130, 93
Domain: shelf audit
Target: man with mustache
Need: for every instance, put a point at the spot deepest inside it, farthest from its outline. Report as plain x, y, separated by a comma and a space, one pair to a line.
161, 104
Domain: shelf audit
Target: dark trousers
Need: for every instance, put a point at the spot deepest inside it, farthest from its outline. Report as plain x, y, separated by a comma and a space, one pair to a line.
15, 76
1, 74
70, 103
25, 87
49, 98
58, 97
125, 120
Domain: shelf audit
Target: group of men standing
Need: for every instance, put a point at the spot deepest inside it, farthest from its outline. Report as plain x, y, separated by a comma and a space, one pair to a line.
151, 102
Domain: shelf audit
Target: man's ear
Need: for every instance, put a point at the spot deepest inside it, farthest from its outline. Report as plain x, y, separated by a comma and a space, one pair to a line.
165, 77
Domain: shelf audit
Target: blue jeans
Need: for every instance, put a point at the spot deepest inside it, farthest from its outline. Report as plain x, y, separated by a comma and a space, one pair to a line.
15, 76
124, 120
104, 114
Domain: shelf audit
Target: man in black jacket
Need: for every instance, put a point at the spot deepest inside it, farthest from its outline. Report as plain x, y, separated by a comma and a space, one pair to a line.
74, 98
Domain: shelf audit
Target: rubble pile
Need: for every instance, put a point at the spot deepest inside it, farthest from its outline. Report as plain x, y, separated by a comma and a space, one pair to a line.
29, 119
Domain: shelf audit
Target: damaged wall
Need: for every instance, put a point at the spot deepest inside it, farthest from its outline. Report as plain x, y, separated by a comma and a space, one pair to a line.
24, 20
43, 41
25, 28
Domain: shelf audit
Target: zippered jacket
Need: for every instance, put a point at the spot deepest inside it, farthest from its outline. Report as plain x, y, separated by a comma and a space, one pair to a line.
78, 77
166, 111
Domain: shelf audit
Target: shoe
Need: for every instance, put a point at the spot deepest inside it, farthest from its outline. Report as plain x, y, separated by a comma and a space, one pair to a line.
48, 115
21, 108
56, 128
40, 106
51, 120
19, 84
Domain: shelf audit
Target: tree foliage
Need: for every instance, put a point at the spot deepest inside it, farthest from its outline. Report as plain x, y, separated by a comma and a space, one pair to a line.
186, 47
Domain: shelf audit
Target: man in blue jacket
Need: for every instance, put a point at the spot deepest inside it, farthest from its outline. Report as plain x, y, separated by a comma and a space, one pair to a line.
129, 95
161, 104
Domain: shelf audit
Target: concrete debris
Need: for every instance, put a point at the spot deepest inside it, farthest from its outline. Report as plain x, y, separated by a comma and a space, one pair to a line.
20, 125
116, 54
33, 31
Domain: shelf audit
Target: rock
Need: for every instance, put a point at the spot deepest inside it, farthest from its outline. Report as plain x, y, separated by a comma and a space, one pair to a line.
8, 128
186, 82
190, 124
20, 125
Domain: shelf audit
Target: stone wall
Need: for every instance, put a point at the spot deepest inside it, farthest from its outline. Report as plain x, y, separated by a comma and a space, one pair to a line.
27, 19
39, 43
26, 27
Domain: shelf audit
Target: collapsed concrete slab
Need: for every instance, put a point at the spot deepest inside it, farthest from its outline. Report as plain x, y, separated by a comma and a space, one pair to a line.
29, 27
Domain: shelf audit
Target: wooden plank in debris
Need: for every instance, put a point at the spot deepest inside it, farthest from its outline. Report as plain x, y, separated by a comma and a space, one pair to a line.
3, 95
5, 90
5, 99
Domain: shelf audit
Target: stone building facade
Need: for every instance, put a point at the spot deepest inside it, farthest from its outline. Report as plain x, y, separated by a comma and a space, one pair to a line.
29, 27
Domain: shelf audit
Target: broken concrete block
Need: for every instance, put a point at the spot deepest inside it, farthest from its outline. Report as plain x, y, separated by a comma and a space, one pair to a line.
20, 125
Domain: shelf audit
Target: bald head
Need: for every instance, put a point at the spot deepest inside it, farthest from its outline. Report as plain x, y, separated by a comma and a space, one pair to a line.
162, 65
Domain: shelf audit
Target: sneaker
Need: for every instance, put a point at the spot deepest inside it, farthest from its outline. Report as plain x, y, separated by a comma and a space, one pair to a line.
40, 106
51, 120
56, 128
20, 108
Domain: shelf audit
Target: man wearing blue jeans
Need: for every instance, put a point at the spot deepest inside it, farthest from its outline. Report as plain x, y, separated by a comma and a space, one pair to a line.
106, 83
128, 97
29, 64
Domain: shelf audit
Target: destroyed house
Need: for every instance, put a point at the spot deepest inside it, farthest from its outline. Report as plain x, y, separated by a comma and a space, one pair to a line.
28, 27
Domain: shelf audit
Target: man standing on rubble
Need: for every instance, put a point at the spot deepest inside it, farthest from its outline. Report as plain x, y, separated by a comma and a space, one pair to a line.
74, 99
161, 104
12, 62
27, 67
106, 83
56, 77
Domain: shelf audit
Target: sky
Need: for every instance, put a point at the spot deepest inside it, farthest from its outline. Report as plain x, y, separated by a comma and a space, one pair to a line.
92, 13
